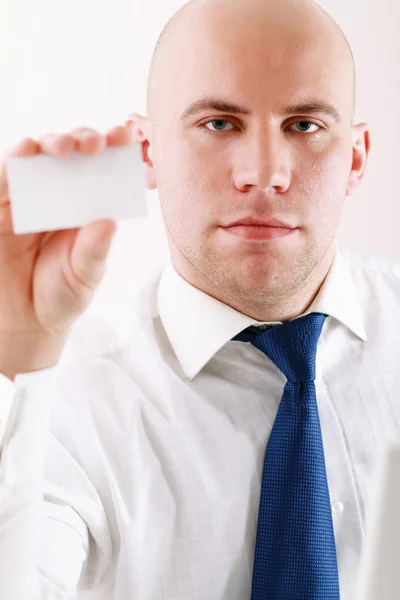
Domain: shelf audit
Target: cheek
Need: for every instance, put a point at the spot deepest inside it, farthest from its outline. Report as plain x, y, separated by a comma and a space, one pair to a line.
182, 166
324, 180
188, 181
187, 202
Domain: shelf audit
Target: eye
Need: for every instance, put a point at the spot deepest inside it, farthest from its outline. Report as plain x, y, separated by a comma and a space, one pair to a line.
219, 126
219, 121
307, 124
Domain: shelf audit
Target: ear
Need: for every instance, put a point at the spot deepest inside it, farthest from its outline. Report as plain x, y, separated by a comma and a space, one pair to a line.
361, 149
140, 134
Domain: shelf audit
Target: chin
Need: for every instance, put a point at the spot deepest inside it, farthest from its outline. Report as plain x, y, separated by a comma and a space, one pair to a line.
255, 274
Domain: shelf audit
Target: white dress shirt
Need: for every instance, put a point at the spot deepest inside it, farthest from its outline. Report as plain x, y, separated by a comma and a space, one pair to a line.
132, 469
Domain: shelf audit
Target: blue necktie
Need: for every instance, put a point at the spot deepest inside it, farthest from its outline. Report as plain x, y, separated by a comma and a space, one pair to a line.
295, 554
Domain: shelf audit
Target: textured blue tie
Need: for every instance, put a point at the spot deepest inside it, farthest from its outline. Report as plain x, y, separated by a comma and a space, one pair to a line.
295, 554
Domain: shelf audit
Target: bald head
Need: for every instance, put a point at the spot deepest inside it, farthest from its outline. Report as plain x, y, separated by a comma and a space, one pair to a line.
250, 113
305, 16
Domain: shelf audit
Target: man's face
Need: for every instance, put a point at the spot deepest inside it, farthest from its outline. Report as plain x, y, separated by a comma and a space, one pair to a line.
215, 167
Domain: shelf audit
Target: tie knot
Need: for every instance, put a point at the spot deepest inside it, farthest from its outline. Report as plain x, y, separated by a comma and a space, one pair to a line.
292, 346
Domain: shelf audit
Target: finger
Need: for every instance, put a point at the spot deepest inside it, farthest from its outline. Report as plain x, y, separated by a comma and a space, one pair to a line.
89, 253
120, 136
57, 144
84, 132
82, 139
88, 141
26, 147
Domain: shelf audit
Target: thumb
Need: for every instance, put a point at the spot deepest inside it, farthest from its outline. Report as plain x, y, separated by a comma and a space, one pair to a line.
89, 253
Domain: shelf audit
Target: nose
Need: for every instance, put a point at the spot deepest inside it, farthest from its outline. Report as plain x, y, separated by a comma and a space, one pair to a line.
262, 161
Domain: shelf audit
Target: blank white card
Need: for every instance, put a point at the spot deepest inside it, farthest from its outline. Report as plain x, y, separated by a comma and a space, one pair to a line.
49, 193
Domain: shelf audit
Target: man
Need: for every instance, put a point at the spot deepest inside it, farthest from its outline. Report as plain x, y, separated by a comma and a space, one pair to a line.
155, 485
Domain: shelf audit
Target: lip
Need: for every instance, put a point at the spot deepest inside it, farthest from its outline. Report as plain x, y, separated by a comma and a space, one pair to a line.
258, 232
273, 222
251, 228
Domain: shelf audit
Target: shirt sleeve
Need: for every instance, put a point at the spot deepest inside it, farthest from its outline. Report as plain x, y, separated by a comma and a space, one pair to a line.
43, 545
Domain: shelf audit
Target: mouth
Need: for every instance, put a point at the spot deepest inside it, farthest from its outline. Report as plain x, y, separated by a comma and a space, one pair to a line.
259, 232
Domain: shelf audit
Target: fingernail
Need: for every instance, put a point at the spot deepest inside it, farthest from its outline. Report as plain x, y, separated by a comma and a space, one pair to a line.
87, 134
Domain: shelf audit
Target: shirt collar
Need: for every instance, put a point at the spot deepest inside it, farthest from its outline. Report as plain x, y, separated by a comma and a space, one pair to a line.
198, 325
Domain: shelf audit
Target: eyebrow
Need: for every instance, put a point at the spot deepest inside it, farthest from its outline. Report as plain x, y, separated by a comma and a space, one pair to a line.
219, 105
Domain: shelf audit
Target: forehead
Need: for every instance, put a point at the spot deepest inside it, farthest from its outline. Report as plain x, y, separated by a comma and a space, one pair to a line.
258, 67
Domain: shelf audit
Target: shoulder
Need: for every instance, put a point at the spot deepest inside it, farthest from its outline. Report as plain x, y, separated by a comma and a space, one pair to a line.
373, 267
377, 281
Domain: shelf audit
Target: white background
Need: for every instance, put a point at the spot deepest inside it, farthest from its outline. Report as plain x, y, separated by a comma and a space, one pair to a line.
85, 62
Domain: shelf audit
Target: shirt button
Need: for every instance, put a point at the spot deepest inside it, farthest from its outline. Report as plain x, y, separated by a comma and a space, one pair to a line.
337, 507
